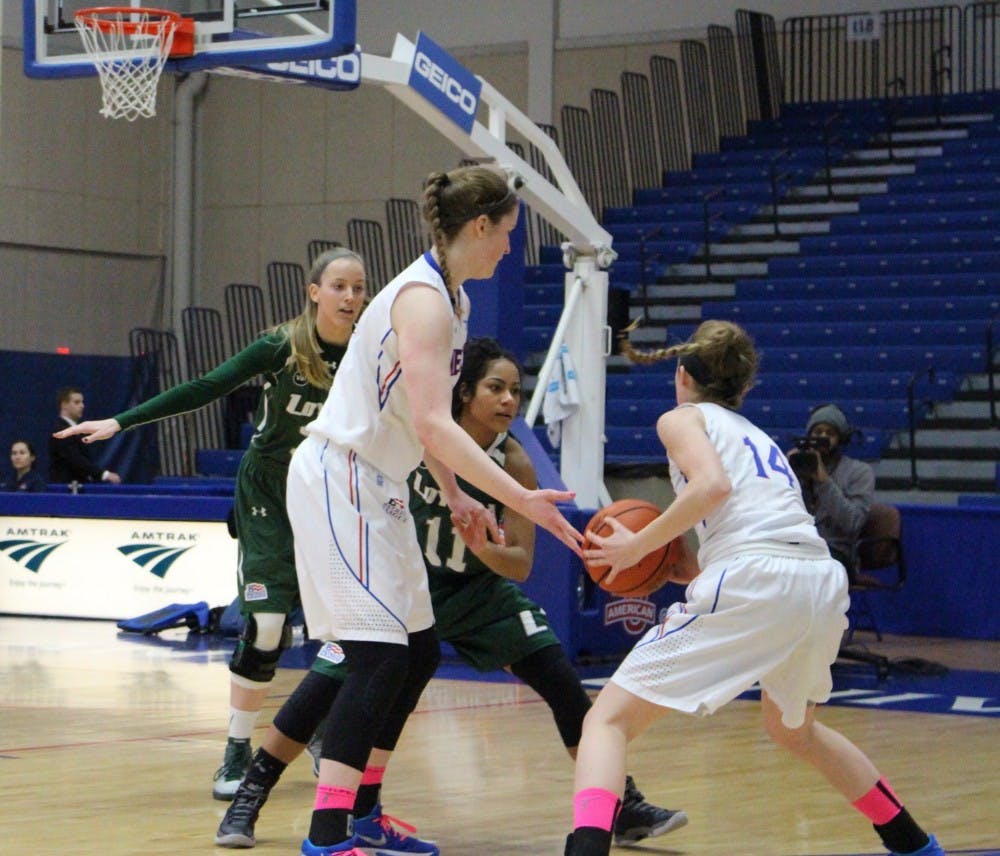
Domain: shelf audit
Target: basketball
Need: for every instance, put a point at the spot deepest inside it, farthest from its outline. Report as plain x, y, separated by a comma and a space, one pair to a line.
649, 573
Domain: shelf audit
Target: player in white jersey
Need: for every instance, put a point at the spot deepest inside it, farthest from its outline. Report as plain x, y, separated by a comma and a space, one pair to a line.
361, 571
769, 605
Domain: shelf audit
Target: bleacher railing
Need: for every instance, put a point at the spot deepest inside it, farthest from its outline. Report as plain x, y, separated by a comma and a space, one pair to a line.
938, 50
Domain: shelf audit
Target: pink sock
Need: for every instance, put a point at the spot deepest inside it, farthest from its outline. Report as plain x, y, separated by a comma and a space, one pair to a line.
594, 807
372, 776
329, 796
880, 804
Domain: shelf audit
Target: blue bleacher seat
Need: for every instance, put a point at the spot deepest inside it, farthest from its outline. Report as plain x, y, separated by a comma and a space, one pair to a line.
902, 263
974, 309
968, 200
906, 221
872, 333
912, 242
218, 462
885, 285
943, 182
909, 358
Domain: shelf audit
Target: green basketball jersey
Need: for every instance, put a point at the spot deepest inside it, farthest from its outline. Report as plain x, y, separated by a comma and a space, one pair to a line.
465, 592
287, 403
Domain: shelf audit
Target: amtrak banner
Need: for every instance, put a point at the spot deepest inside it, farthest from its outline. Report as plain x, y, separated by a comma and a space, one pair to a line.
445, 82
87, 568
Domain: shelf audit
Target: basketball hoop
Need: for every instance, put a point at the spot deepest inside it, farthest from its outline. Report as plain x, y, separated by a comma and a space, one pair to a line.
129, 46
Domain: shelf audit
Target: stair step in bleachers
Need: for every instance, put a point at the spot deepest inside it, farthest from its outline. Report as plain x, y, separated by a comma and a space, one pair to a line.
910, 263
970, 309
887, 285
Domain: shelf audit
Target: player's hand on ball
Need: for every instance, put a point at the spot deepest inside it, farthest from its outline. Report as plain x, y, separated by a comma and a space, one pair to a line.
617, 549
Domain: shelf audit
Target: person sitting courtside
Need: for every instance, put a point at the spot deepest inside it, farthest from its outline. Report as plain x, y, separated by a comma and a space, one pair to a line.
22, 459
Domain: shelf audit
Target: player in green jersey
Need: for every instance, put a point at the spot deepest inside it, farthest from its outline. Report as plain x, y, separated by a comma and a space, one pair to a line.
297, 360
478, 609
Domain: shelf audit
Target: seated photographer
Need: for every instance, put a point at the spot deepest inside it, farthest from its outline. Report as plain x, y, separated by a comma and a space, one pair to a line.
838, 490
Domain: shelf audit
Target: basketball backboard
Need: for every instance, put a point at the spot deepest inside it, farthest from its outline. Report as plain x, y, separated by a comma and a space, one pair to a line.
227, 33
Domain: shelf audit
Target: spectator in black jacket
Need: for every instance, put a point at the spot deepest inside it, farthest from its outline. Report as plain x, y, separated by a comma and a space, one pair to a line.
69, 458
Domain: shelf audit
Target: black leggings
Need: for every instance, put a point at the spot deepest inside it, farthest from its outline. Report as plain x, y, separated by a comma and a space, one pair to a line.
550, 674
384, 682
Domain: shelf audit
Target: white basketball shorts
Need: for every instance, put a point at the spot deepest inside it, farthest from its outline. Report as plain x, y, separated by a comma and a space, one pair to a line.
360, 569
755, 618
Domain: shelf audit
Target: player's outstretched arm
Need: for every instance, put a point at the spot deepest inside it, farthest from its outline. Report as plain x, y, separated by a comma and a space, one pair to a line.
97, 429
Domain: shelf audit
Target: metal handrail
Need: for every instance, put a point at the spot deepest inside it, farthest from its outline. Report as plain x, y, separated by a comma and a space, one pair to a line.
936, 73
929, 372
990, 382
775, 178
715, 194
890, 111
827, 140
643, 285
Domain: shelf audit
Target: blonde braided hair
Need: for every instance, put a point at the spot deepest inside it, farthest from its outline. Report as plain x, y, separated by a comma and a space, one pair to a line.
452, 199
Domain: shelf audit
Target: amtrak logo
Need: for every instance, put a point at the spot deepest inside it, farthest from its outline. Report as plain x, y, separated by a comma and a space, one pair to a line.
155, 558
635, 614
29, 553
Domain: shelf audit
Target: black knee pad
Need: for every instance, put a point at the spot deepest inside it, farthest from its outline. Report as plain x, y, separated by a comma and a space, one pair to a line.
550, 674
425, 655
376, 675
249, 662
305, 708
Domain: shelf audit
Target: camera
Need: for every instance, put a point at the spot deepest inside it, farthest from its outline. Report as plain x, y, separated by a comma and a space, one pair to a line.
806, 462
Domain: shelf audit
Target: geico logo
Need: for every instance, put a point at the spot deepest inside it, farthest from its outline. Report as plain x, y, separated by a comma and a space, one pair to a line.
345, 68
439, 79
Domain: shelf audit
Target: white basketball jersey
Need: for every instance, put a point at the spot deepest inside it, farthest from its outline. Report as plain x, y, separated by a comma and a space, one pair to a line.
765, 512
367, 409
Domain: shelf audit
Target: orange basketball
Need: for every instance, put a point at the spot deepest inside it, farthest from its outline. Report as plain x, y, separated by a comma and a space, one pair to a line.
682, 561
651, 571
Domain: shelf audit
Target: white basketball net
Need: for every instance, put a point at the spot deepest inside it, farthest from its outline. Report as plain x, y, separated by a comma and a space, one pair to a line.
128, 50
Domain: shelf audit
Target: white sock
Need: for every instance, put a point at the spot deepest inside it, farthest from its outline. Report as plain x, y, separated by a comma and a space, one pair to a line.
242, 723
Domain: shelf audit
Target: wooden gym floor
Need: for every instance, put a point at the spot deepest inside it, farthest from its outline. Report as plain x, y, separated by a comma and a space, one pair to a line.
108, 744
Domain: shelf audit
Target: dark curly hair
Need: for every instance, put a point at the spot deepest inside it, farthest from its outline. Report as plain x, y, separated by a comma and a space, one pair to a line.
476, 359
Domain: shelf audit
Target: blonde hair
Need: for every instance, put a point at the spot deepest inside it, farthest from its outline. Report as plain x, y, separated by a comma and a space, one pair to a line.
720, 353
307, 356
452, 199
